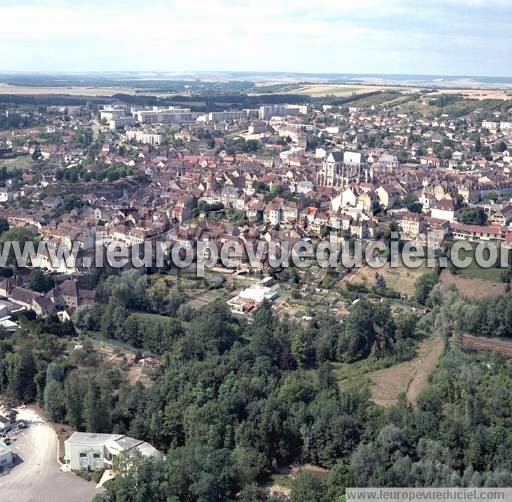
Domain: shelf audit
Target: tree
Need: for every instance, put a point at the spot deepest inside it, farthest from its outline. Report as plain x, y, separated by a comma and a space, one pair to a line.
478, 144
74, 390
97, 409
367, 327
308, 488
473, 216
54, 401
380, 282
424, 285
412, 203
41, 282
20, 371
4, 225
302, 348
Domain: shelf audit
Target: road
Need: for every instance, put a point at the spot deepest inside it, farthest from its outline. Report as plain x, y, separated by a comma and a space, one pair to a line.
38, 477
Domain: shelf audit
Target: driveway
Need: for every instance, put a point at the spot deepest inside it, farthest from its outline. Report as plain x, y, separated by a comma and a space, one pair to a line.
38, 478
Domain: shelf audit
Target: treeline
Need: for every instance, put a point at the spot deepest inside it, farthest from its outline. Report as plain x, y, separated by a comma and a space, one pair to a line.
110, 173
52, 100
490, 317
249, 410
18, 120
214, 102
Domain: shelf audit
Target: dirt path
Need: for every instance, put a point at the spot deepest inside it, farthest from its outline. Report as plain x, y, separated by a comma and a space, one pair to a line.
423, 371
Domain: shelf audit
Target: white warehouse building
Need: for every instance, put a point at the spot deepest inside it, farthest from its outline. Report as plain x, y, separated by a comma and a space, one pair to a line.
92, 451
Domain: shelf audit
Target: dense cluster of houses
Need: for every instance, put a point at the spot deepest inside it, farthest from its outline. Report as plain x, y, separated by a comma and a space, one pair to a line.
420, 173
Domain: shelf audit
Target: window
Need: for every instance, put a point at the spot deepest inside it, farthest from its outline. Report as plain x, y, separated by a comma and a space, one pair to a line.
96, 455
83, 455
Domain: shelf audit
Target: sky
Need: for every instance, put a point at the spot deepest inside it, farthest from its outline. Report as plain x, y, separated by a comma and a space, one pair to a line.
429, 37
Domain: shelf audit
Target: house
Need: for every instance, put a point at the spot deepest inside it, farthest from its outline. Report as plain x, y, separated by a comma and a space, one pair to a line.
503, 217
280, 211
478, 232
91, 451
388, 195
439, 229
411, 224
5, 194
443, 210
52, 202
349, 197
8, 284
23, 297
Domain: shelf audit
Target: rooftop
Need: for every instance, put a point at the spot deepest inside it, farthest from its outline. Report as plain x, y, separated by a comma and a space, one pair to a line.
4, 448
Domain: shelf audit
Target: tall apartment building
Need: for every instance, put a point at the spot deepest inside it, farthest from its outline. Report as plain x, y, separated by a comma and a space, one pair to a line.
148, 138
121, 122
227, 115
268, 111
111, 112
170, 115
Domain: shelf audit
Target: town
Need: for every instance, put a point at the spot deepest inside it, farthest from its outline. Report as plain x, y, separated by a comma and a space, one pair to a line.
406, 164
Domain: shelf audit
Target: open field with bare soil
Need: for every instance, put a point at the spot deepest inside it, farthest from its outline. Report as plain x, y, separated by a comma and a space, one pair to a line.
471, 342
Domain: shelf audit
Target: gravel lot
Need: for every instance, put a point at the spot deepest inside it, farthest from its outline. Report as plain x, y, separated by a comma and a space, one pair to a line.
38, 477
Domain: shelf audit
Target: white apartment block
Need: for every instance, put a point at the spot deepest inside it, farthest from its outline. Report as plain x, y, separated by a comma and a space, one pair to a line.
148, 138
170, 115
227, 115
121, 122
268, 111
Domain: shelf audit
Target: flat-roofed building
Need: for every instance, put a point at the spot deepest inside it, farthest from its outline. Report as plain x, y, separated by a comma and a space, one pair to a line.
94, 451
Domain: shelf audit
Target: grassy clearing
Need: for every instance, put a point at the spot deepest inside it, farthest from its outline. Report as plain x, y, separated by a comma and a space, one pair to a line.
472, 287
388, 381
23, 163
407, 378
400, 279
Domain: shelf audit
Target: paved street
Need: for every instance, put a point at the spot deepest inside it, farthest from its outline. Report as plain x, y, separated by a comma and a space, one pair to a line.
38, 477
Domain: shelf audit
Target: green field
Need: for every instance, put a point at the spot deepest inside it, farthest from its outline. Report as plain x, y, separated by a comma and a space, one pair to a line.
22, 163
475, 271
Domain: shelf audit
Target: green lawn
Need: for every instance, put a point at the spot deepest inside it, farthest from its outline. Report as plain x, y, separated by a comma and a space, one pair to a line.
475, 271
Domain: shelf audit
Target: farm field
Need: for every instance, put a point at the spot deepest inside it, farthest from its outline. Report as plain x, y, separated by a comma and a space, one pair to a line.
343, 90
482, 343
70, 91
